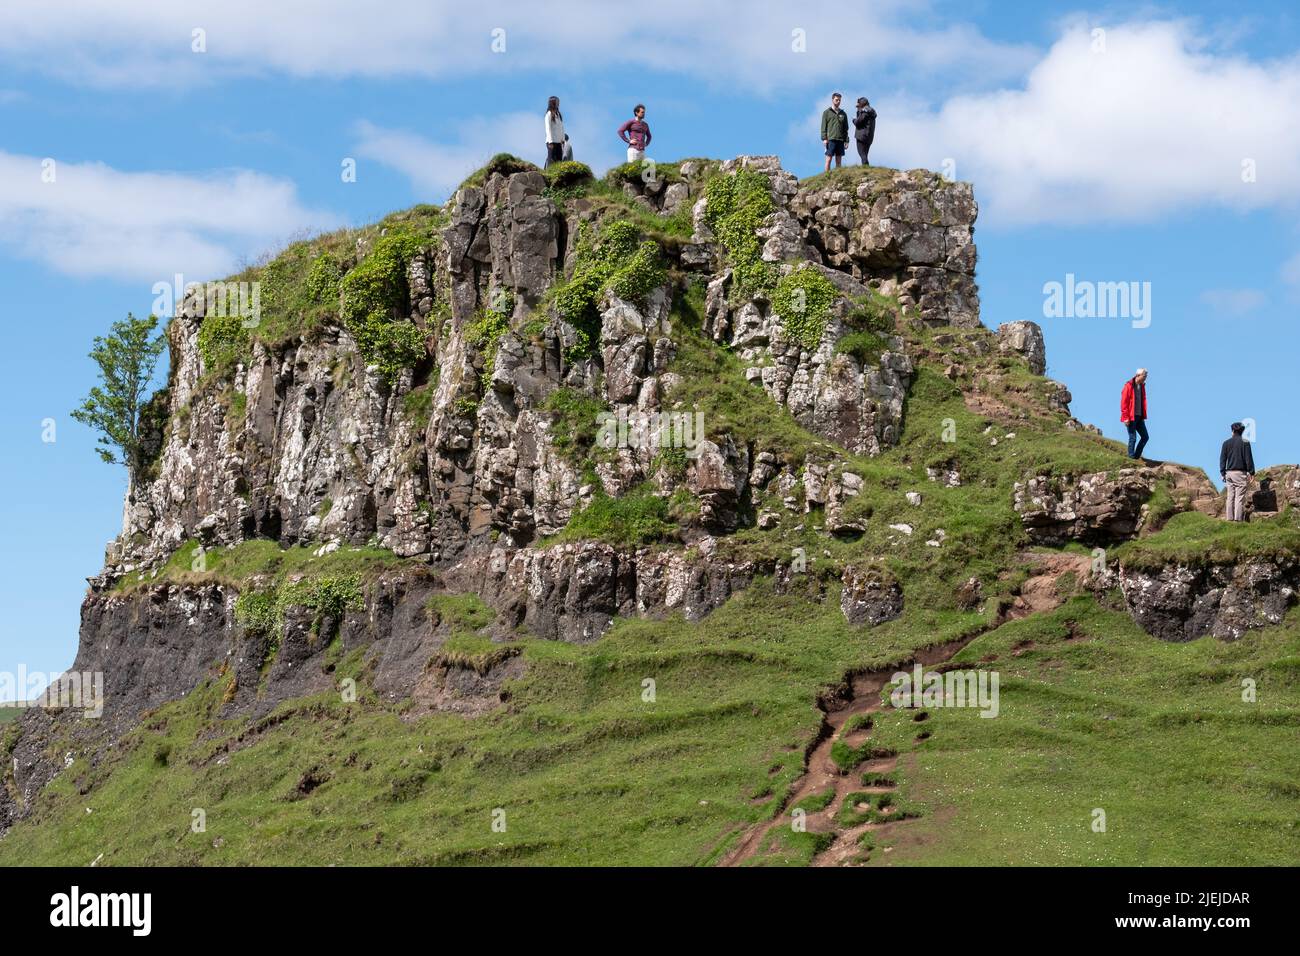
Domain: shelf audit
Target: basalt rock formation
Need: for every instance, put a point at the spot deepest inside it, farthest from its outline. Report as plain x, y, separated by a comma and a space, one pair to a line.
1181, 602
546, 318
1106, 507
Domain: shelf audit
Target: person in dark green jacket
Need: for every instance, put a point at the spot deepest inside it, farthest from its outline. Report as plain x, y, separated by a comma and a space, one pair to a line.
835, 132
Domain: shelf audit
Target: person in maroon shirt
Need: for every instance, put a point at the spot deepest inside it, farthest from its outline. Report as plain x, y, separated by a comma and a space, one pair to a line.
636, 134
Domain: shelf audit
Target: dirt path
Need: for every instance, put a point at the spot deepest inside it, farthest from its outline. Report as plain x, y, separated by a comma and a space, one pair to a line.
849, 719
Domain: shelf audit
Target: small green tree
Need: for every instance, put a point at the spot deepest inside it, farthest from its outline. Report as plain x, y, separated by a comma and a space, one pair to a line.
126, 358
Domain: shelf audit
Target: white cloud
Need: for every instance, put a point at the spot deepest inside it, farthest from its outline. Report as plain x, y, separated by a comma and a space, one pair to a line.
148, 42
96, 221
435, 168
1153, 124
1290, 271
1234, 302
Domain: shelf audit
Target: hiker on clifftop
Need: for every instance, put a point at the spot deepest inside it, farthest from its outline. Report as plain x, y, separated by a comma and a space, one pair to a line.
1133, 412
554, 131
835, 132
636, 134
864, 124
1236, 468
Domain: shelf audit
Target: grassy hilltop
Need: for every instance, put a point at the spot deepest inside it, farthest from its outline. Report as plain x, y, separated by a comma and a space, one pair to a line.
583, 765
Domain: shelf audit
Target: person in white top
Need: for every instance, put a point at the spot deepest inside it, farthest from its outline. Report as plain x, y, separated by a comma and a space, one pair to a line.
554, 131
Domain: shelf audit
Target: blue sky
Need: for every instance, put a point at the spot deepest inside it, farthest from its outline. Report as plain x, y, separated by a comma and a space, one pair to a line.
1112, 156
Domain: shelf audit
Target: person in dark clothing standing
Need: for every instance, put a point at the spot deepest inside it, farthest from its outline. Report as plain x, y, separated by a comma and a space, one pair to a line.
1133, 412
864, 122
835, 132
1236, 467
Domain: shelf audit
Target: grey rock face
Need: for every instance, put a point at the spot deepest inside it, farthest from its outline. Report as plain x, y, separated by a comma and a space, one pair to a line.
1095, 509
574, 591
1182, 603
326, 453
868, 597
1026, 340
907, 233
1104, 507
854, 404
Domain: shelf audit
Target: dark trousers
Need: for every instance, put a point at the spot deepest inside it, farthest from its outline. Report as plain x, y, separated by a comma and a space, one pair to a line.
864, 147
1137, 429
554, 152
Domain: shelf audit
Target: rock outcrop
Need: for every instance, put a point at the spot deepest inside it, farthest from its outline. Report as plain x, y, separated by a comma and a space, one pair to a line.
323, 450
912, 231
1276, 489
1181, 602
463, 463
868, 597
1105, 507
1026, 340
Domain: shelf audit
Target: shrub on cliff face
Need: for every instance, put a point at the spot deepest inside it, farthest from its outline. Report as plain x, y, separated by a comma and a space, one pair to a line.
736, 207
638, 517
375, 299
863, 346
640, 275
803, 300
262, 612
484, 332
323, 279
257, 612
567, 174
615, 259
223, 341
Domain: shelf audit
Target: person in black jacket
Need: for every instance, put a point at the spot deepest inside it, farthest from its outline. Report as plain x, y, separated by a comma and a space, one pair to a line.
1236, 467
864, 123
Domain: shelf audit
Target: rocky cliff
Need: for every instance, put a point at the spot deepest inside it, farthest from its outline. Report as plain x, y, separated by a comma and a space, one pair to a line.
456, 461
579, 402
475, 464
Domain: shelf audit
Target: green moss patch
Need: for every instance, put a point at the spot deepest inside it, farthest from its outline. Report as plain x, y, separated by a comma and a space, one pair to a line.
803, 299
639, 517
736, 206
615, 258
1192, 538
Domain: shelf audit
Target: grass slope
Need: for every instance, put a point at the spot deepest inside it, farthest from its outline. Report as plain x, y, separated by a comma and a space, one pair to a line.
584, 769
1095, 714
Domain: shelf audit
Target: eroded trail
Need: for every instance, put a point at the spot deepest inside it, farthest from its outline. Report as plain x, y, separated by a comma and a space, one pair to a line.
868, 785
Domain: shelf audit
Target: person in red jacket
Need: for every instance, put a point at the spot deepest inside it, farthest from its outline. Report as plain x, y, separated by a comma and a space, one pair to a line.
1133, 412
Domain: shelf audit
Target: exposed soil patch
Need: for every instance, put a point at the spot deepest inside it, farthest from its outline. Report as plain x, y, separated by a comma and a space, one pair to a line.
868, 787
860, 698
1043, 590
